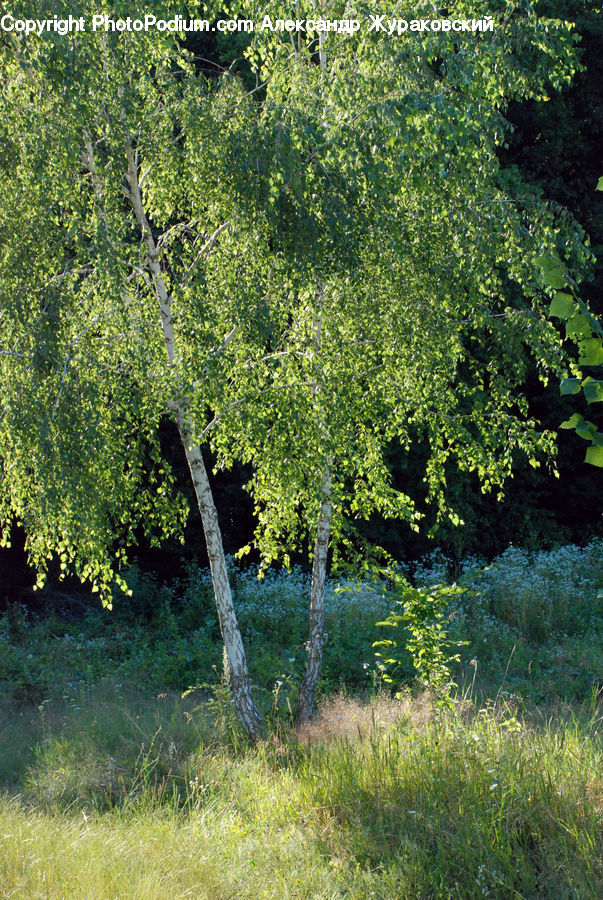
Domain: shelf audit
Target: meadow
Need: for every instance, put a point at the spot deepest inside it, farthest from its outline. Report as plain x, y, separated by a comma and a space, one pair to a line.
124, 771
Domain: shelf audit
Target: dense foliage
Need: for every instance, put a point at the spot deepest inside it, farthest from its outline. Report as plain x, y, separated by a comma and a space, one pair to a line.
282, 273
536, 611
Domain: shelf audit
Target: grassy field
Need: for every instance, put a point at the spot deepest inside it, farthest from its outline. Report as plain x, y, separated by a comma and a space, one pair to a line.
137, 796
115, 785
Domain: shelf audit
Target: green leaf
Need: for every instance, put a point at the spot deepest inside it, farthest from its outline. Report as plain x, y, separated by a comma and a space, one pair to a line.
555, 278
593, 390
570, 386
547, 264
562, 305
572, 423
600, 184
591, 352
586, 430
594, 456
578, 326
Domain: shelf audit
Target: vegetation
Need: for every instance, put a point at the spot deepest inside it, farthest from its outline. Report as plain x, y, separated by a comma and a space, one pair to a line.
282, 276
128, 793
157, 792
314, 288
534, 615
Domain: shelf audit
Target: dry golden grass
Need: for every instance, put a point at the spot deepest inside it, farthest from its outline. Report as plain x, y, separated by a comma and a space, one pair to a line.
344, 716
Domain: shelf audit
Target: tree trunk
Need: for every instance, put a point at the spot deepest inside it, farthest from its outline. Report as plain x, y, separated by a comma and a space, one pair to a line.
322, 56
233, 642
307, 688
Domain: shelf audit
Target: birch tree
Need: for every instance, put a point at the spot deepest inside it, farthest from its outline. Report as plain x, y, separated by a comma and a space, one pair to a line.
285, 272
134, 251
419, 310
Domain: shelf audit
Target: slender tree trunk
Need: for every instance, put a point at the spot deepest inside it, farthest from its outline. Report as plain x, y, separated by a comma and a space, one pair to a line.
233, 642
307, 688
322, 56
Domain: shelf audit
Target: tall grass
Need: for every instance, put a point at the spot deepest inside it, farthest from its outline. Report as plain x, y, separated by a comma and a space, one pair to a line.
109, 789
138, 796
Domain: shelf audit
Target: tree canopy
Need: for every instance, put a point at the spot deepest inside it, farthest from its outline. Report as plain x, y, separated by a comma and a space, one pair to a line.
301, 273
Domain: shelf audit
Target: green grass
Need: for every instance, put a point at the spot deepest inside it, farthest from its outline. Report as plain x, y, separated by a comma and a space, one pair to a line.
114, 785
135, 795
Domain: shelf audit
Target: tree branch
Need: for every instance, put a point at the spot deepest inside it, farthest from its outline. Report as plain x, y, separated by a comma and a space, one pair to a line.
205, 249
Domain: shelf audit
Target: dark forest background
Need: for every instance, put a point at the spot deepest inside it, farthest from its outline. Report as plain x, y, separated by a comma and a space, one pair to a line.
556, 147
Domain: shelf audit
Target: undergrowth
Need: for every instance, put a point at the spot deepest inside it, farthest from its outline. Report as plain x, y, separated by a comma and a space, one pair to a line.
531, 623
119, 782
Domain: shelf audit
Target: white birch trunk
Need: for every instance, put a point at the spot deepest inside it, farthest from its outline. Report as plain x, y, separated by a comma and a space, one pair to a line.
307, 688
239, 674
322, 56
231, 634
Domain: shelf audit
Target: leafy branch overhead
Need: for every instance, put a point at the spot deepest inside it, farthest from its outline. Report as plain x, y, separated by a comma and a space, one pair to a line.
584, 329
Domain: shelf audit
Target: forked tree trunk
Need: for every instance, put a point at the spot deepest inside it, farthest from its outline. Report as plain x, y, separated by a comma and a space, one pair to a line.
307, 688
229, 627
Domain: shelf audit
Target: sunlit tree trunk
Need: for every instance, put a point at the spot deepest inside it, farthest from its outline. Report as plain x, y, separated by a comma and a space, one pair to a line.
307, 689
233, 642
237, 661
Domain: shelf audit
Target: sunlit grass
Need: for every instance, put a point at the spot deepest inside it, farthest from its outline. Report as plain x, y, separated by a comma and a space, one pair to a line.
113, 786
138, 796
